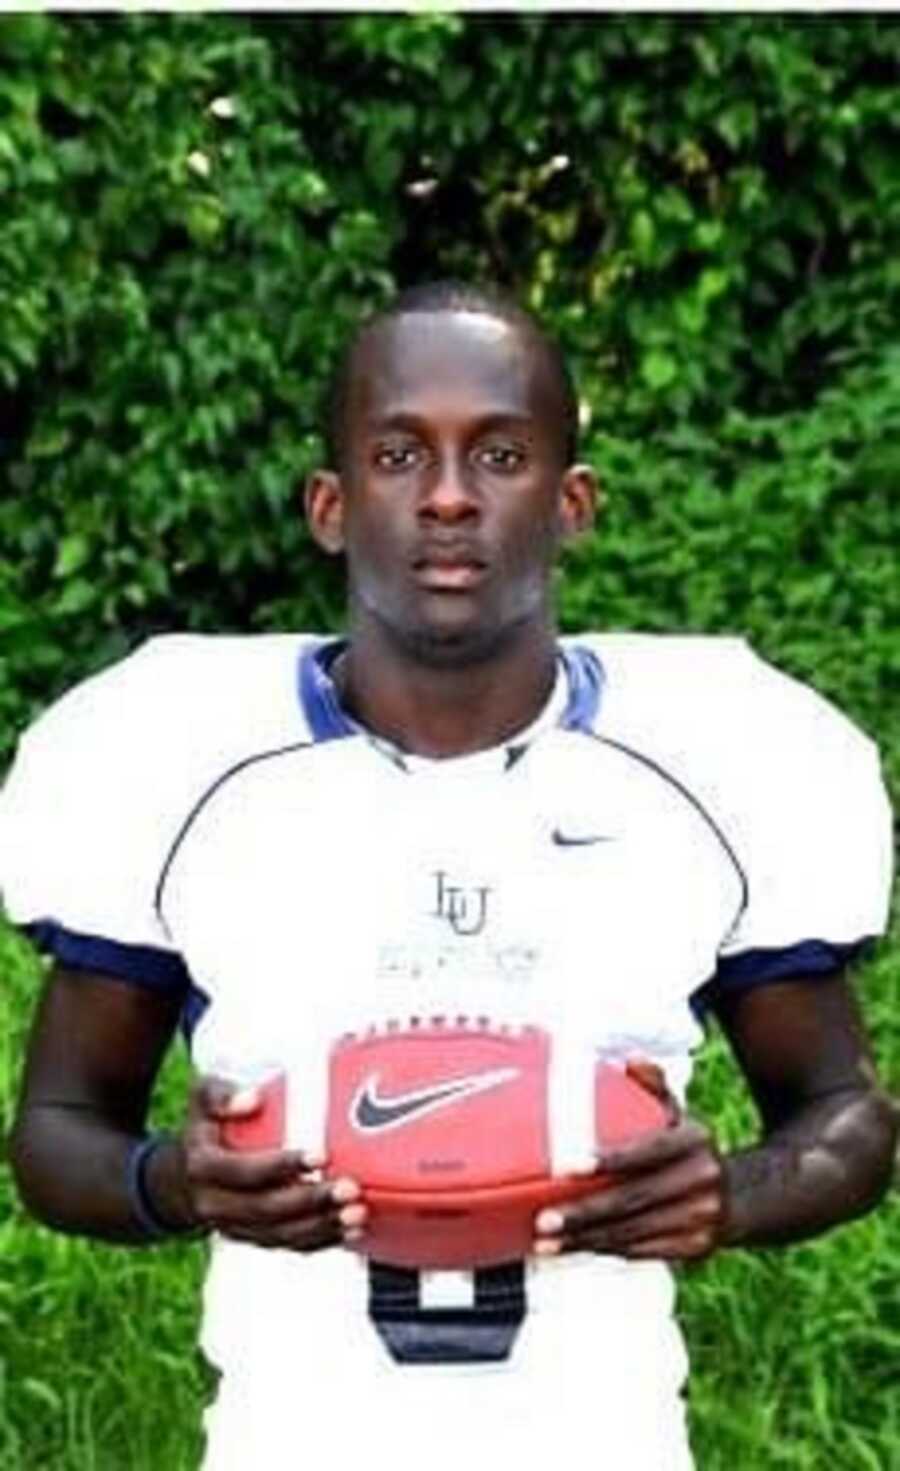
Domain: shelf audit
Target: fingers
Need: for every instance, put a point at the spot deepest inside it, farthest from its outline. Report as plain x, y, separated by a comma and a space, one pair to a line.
654, 1150
299, 1217
270, 1206
690, 1226
270, 1197
222, 1099
280, 1209
212, 1164
212, 1101
696, 1175
651, 1076
667, 1201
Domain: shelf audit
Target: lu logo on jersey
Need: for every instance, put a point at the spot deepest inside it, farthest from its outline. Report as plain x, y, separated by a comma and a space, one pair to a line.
464, 909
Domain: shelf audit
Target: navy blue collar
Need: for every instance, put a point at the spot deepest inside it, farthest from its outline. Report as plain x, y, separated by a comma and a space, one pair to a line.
326, 717
329, 721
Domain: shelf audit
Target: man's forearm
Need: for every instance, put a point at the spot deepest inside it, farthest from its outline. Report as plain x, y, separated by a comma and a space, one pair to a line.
72, 1171
832, 1162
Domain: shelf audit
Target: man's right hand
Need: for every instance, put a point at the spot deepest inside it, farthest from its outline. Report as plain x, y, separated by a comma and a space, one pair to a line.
273, 1197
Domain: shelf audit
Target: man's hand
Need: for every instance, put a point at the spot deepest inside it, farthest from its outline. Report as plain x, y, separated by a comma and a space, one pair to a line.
273, 1197
667, 1199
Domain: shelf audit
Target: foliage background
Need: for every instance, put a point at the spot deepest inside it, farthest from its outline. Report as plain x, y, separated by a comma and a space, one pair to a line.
193, 209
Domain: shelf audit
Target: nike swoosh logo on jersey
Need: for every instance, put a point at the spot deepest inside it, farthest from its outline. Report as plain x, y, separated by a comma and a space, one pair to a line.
564, 840
371, 1111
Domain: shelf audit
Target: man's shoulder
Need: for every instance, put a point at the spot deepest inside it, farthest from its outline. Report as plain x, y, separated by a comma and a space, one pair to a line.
653, 677
179, 659
157, 727
714, 695
664, 654
178, 682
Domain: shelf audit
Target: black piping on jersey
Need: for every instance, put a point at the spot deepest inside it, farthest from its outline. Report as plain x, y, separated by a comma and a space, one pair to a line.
698, 808
201, 803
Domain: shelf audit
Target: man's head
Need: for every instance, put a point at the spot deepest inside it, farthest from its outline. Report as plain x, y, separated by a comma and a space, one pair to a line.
452, 434
449, 297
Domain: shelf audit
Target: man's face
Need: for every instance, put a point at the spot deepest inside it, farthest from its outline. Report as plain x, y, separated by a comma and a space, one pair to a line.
453, 493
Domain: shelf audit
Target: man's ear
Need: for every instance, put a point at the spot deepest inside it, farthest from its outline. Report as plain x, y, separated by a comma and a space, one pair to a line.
323, 498
579, 497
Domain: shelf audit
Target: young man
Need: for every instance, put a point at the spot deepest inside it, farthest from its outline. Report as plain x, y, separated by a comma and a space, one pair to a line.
450, 810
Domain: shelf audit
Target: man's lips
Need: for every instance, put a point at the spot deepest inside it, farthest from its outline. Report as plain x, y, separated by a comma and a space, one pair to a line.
448, 569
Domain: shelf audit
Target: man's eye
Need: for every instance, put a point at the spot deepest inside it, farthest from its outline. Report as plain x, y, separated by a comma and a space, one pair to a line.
395, 456
502, 456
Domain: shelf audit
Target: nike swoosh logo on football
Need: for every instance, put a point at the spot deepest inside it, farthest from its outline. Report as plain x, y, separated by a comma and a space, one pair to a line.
371, 1112
564, 840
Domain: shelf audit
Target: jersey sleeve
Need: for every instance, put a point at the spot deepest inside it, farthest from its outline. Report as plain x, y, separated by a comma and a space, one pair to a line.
86, 813
808, 818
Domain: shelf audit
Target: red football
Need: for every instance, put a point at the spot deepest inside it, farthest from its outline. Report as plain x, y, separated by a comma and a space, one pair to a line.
449, 1129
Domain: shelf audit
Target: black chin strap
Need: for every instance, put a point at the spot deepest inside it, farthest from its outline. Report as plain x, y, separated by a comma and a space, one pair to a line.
482, 1333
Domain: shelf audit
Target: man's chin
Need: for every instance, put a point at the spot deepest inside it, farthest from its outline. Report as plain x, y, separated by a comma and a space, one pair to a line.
441, 645
452, 632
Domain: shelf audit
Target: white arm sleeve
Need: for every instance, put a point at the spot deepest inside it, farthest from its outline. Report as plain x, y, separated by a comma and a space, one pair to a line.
810, 823
103, 782
86, 815
793, 787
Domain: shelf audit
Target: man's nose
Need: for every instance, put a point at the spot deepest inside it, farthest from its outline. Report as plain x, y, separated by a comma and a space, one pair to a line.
448, 497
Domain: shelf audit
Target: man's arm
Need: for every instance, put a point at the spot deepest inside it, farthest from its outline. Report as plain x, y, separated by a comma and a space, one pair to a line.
829, 1129
825, 1155
93, 1057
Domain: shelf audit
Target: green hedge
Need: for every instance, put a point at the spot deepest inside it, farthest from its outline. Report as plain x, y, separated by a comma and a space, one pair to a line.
193, 208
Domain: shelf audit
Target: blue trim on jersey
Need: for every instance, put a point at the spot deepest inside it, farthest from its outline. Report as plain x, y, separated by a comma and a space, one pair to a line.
328, 721
196, 1003
808, 957
751, 968
586, 680
140, 965
324, 714
144, 965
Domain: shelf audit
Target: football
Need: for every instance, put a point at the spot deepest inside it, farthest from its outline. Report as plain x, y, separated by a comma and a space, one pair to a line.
460, 1131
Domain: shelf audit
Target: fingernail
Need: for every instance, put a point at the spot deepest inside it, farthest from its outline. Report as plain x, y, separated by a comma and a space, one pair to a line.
314, 1161
245, 1100
352, 1215
353, 1236
547, 1248
550, 1222
344, 1190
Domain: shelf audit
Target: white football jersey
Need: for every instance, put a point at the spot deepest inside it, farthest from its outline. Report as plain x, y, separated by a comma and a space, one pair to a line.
680, 821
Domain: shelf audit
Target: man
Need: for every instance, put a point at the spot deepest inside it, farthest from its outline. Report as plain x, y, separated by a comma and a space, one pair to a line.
641, 828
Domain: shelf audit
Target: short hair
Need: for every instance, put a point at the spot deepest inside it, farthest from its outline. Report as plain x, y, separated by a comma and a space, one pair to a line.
449, 296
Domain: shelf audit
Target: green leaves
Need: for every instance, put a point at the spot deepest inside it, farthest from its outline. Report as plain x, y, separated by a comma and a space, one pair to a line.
658, 368
195, 208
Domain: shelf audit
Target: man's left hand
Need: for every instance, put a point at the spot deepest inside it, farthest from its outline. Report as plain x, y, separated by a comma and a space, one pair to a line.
666, 1200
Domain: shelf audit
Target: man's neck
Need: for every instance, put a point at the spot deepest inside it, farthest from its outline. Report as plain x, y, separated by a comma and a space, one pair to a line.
445, 711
